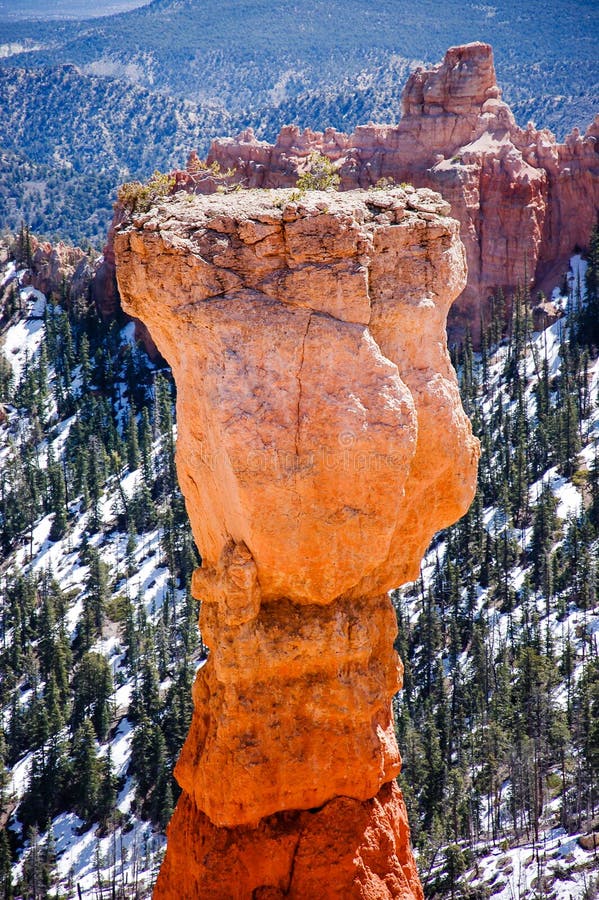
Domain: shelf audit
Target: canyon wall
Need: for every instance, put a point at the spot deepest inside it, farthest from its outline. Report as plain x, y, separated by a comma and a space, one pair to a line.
321, 443
524, 201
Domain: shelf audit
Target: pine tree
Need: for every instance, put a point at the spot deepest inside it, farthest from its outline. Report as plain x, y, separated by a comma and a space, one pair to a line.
6, 884
48, 862
84, 362
94, 600
133, 454
145, 445
92, 694
107, 789
586, 325
85, 777
57, 497
166, 802
32, 867
54, 710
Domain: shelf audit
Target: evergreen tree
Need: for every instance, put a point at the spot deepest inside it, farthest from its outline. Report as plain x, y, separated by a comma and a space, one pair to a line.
586, 325
86, 773
94, 600
107, 789
32, 867
48, 862
133, 454
57, 497
6, 883
145, 445
92, 694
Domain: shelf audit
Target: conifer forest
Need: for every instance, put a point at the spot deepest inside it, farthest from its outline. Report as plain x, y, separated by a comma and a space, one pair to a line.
498, 719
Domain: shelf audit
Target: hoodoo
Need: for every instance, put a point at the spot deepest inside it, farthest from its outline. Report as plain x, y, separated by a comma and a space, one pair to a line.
321, 443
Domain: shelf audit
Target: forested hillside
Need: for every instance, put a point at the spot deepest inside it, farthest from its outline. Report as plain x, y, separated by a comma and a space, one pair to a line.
252, 55
85, 105
68, 140
498, 719
97, 627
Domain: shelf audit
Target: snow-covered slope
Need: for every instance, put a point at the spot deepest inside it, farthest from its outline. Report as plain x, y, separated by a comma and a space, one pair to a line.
484, 606
520, 575
126, 850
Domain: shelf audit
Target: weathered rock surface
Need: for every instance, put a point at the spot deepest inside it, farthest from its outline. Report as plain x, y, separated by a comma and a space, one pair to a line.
321, 443
54, 266
346, 849
589, 841
523, 199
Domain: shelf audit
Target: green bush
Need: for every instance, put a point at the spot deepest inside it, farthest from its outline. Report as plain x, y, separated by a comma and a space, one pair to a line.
320, 175
136, 197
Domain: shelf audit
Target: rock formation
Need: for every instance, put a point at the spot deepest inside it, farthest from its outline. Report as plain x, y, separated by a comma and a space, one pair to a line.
105, 292
321, 443
53, 267
523, 199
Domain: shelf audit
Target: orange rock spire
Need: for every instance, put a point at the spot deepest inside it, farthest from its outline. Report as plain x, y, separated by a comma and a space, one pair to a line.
321, 443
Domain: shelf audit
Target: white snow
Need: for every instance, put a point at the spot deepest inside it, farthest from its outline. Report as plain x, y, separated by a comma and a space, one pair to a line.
8, 274
19, 775
120, 747
20, 343
568, 495
128, 334
511, 874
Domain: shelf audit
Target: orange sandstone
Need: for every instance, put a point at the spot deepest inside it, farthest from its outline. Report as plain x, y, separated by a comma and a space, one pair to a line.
321, 443
345, 849
52, 266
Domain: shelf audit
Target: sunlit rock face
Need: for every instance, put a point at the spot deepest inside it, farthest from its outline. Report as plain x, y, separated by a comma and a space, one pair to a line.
523, 199
321, 443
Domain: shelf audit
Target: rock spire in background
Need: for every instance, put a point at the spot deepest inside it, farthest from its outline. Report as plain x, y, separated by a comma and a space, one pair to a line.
524, 201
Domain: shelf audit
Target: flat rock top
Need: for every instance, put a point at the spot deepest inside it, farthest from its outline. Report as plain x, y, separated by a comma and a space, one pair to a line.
224, 212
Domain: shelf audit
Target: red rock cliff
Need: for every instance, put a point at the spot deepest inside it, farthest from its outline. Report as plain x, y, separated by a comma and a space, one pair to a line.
321, 443
523, 199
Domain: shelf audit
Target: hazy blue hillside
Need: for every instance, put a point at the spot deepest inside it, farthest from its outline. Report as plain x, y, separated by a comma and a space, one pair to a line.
239, 52
67, 140
62, 9
153, 82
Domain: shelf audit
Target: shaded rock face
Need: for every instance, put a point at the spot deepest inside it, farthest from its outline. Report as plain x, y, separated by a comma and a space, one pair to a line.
523, 199
321, 443
105, 291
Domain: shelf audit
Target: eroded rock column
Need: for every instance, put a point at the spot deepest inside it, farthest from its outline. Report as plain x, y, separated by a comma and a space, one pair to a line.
321, 443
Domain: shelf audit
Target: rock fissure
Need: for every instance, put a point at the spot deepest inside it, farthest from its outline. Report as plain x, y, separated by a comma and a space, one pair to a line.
299, 391
292, 861
321, 443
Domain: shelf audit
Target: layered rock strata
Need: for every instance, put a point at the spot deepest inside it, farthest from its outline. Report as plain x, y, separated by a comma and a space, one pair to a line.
321, 443
523, 199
